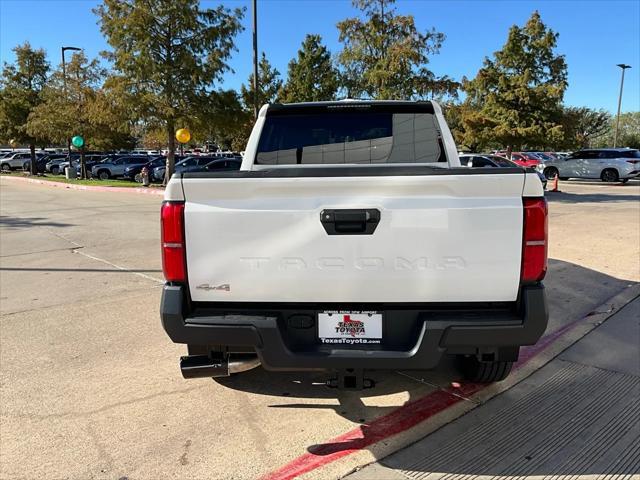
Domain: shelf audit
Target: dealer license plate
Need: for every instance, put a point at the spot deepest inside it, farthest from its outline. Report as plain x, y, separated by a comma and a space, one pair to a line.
350, 327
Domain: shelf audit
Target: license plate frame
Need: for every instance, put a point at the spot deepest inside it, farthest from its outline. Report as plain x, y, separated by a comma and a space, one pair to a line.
350, 327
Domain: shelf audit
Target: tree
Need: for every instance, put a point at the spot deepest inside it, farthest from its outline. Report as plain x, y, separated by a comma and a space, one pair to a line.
269, 85
311, 76
385, 56
225, 120
582, 126
170, 53
516, 97
628, 134
82, 105
20, 92
455, 113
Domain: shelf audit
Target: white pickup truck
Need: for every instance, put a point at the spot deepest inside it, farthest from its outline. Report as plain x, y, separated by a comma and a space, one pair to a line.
352, 239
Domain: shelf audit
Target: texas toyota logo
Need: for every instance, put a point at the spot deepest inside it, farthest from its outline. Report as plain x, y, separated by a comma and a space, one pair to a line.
351, 327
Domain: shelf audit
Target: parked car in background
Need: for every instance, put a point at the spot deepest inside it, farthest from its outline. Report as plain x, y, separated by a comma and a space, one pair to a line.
525, 159
189, 163
16, 161
89, 159
607, 164
223, 164
193, 163
114, 167
41, 163
157, 174
132, 172
475, 160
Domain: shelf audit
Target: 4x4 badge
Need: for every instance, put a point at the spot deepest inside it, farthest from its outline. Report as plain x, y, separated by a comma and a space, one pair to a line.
205, 286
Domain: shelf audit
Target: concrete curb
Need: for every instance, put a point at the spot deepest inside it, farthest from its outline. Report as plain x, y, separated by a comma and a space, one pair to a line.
96, 188
561, 340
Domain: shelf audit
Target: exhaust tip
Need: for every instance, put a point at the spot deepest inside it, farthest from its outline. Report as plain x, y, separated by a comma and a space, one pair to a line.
203, 366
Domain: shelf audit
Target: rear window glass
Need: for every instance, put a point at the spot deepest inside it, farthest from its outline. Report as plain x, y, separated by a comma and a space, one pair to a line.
350, 138
629, 154
502, 162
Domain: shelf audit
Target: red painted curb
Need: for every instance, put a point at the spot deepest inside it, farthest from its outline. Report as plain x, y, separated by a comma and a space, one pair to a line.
96, 188
401, 419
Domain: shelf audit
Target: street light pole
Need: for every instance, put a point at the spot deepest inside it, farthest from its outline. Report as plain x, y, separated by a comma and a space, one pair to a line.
64, 80
255, 59
615, 135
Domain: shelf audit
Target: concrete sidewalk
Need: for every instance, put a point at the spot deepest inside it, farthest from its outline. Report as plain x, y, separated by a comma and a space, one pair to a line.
577, 416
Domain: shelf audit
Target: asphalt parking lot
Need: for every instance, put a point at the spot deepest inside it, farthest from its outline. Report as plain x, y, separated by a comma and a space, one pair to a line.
90, 385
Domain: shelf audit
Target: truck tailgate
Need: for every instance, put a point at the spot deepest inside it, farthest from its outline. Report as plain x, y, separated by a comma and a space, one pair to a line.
440, 238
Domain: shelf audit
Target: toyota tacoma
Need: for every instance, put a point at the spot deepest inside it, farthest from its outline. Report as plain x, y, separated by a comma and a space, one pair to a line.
351, 238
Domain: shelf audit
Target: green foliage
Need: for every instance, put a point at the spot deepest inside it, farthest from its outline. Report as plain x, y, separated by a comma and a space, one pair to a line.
516, 97
82, 106
628, 133
225, 122
311, 76
21, 86
169, 54
269, 84
583, 126
385, 56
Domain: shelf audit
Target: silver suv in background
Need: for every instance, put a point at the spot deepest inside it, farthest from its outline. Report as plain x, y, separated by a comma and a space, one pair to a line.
17, 160
115, 168
607, 164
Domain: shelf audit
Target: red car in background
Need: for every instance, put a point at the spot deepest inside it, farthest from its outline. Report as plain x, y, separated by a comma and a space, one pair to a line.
523, 159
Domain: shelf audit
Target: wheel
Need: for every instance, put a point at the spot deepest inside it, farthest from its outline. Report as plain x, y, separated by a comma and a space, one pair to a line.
104, 175
624, 180
137, 178
550, 173
484, 372
26, 166
609, 175
6, 167
55, 170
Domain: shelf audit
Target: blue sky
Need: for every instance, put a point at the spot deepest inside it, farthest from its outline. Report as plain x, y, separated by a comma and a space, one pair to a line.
594, 35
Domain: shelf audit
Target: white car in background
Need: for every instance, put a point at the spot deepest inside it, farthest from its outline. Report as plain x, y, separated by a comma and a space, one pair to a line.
607, 164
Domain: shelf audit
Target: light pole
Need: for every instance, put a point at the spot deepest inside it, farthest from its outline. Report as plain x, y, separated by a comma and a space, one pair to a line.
255, 59
64, 80
615, 135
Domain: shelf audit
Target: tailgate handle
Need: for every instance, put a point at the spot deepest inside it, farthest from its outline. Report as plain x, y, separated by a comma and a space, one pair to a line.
350, 221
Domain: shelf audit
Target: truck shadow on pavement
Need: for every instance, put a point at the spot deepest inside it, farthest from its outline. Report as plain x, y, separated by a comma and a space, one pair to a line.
566, 197
26, 222
573, 292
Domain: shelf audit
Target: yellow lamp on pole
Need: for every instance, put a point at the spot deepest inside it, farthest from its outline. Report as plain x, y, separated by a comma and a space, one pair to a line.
183, 135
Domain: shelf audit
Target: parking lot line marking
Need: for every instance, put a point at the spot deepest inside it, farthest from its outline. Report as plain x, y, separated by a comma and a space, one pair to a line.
124, 269
401, 419
76, 249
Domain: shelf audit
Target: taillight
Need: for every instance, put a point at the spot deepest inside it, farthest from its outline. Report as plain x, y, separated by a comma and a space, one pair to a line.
173, 247
534, 240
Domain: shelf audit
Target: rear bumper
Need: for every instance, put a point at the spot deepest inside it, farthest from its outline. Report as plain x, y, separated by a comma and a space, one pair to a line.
419, 335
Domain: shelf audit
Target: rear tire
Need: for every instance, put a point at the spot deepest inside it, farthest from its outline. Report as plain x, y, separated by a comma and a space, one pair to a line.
5, 167
484, 372
610, 175
550, 173
55, 170
104, 175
